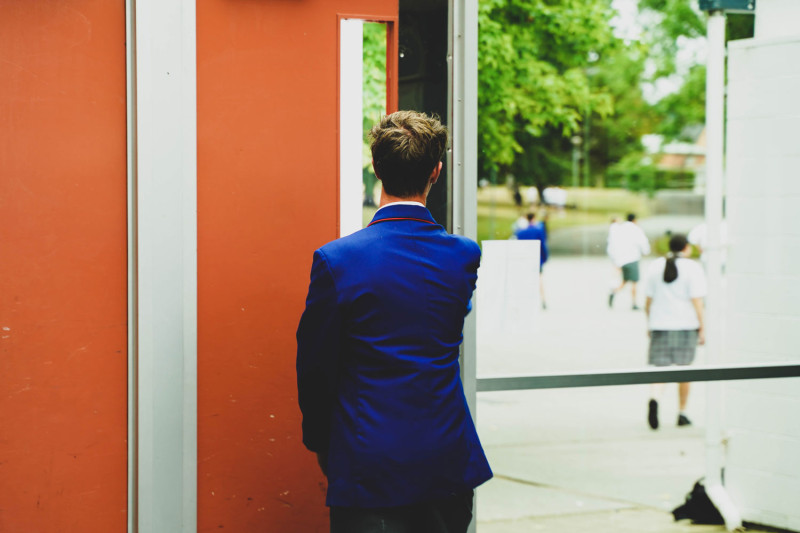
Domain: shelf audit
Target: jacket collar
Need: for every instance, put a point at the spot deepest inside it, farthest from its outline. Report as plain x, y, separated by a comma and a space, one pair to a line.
404, 211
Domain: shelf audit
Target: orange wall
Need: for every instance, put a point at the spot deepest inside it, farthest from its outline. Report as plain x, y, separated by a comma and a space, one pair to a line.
267, 197
63, 369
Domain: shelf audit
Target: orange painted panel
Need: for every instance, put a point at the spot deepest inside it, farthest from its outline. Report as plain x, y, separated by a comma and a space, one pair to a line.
63, 293
267, 197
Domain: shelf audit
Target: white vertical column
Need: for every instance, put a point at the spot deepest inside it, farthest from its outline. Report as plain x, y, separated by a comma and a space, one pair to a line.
166, 196
715, 130
351, 103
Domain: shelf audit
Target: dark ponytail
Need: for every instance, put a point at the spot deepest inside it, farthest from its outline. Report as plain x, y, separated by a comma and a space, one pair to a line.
676, 245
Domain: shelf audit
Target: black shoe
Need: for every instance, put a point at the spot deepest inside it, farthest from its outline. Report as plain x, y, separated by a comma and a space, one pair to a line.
610, 300
684, 421
652, 414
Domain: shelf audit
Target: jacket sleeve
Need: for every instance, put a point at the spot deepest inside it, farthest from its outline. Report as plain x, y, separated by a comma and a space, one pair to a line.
318, 354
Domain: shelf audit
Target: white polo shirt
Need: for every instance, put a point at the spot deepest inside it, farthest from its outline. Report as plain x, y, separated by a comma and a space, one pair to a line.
671, 308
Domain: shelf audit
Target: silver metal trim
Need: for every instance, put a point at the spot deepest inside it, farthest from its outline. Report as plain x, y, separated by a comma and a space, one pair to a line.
130, 119
637, 377
462, 58
463, 111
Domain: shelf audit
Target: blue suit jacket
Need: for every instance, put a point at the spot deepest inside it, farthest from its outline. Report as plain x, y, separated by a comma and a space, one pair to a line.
377, 362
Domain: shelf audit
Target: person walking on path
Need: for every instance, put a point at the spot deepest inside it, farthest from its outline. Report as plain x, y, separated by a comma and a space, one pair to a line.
378, 373
627, 243
675, 287
537, 231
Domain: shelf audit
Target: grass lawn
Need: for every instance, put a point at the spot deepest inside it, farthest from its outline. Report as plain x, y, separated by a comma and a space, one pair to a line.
586, 206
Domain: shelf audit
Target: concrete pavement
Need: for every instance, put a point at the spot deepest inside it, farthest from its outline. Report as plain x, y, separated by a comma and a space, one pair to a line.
584, 459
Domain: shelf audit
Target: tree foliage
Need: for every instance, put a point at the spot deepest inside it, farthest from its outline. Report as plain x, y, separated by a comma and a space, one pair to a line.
668, 23
610, 138
684, 108
374, 42
552, 72
532, 63
672, 22
373, 96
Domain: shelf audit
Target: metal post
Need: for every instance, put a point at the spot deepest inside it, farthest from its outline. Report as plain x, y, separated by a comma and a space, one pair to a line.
585, 182
464, 111
576, 157
463, 59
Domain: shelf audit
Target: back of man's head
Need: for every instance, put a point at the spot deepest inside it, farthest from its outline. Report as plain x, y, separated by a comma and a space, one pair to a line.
406, 148
631, 217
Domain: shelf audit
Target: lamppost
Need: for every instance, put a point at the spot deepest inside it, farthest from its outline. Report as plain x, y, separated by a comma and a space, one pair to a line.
576, 156
590, 72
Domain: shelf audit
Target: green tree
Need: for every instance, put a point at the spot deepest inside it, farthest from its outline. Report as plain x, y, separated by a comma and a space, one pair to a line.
672, 21
374, 42
668, 23
374, 95
533, 57
683, 108
610, 138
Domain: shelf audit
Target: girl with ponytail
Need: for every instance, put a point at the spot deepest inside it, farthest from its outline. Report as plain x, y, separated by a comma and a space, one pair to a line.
675, 288
677, 245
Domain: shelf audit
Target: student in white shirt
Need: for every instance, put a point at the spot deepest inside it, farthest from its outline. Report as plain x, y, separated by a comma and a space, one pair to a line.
675, 288
627, 243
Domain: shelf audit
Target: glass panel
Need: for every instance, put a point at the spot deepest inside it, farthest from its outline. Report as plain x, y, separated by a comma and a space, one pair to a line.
610, 127
611, 123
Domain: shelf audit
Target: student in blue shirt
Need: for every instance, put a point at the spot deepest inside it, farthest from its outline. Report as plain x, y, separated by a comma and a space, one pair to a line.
536, 231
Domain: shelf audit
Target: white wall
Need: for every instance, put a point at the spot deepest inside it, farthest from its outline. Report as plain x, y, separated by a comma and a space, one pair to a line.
776, 18
762, 317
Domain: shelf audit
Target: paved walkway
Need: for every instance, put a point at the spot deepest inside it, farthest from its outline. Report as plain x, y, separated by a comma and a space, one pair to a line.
574, 460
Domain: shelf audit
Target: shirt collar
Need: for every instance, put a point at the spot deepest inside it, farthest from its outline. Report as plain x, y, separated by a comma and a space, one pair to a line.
402, 202
412, 210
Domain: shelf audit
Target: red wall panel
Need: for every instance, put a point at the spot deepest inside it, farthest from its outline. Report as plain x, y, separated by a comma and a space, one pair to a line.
267, 197
63, 289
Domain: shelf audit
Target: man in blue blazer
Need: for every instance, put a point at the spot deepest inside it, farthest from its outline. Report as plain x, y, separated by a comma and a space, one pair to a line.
377, 353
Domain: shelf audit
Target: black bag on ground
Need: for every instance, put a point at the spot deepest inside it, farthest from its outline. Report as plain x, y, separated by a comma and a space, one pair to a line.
698, 507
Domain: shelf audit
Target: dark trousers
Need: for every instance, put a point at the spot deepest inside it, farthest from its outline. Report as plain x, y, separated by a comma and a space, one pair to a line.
449, 515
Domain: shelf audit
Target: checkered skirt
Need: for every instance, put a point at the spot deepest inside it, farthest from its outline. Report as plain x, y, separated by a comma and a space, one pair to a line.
673, 347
